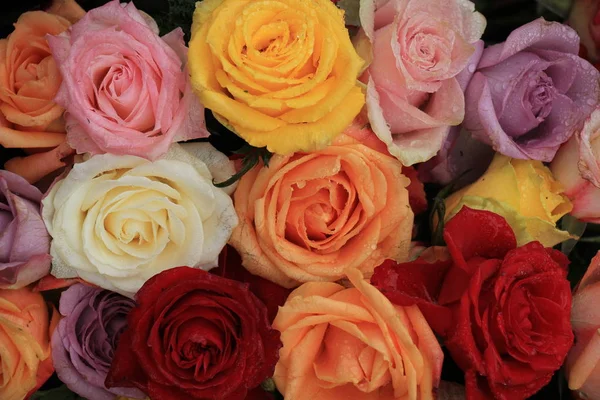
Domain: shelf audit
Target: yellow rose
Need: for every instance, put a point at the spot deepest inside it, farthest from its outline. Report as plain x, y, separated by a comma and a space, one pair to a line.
280, 73
522, 191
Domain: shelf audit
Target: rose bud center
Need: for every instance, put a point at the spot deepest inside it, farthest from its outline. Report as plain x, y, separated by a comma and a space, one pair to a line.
540, 95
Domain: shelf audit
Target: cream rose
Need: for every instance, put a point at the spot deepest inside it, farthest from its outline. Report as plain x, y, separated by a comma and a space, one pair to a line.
116, 221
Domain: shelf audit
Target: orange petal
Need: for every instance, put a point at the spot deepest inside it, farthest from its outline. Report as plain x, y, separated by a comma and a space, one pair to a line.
13, 139
36, 166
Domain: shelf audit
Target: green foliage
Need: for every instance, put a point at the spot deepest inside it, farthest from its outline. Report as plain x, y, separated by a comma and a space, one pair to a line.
252, 155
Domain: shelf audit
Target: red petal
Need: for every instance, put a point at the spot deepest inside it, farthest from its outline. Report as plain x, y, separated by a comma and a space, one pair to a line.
259, 394
271, 294
417, 282
125, 370
481, 233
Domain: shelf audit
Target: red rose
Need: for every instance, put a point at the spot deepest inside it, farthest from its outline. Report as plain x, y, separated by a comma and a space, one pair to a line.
195, 335
503, 311
270, 293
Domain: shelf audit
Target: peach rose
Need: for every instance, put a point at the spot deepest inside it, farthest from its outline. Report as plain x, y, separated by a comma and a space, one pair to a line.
341, 343
312, 216
583, 362
29, 81
577, 167
419, 47
25, 330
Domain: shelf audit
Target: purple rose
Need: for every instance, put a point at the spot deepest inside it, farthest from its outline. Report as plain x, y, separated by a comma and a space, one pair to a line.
84, 341
24, 241
532, 92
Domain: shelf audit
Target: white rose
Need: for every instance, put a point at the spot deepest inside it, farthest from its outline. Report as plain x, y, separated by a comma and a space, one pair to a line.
116, 221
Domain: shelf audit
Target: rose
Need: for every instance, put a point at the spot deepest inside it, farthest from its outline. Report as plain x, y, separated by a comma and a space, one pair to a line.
195, 335
583, 360
25, 329
24, 241
531, 92
313, 216
523, 192
282, 76
124, 87
29, 80
116, 220
502, 310
461, 159
419, 48
84, 341
577, 167
353, 343
271, 294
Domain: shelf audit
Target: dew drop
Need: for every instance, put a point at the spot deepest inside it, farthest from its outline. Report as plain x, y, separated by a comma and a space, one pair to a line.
471, 68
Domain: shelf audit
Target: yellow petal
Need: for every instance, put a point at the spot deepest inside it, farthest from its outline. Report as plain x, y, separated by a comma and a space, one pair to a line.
306, 137
499, 182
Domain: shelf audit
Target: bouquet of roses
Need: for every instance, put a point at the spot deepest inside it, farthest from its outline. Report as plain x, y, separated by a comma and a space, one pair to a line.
306, 200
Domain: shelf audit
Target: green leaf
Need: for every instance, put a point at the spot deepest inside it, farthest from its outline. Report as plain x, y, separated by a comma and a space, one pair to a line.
558, 7
574, 227
351, 11
59, 393
247, 164
269, 385
438, 210
251, 157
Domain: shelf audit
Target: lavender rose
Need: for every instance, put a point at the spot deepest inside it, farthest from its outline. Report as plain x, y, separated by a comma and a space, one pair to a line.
532, 92
24, 241
84, 341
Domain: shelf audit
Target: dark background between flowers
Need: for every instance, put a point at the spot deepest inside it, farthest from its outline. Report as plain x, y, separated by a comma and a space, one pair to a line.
502, 15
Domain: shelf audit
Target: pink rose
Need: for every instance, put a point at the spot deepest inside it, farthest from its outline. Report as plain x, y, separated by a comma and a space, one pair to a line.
583, 361
419, 48
125, 88
577, 167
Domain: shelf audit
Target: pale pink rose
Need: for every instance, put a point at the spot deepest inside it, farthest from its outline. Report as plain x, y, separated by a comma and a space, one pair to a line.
577, 167
419, 48
583, 361
125, 89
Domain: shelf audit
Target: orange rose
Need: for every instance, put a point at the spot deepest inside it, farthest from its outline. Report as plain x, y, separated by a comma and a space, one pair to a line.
25, 330
29, 81
354, 344
313, 216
